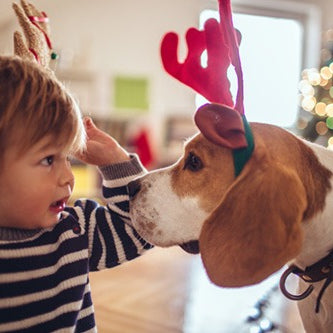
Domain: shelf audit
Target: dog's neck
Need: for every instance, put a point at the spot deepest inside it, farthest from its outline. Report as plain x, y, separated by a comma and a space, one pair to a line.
318, 230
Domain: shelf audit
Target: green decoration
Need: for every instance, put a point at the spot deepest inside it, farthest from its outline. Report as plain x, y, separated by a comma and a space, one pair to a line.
329, 122
54, 56
131, 94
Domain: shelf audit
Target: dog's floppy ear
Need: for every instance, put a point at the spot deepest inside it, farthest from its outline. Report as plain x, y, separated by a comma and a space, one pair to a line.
256, 228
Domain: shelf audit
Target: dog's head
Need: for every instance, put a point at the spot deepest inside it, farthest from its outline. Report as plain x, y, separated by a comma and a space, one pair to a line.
247, 227
172, 203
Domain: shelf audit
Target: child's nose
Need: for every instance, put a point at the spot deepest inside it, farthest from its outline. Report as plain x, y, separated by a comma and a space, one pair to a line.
67, 176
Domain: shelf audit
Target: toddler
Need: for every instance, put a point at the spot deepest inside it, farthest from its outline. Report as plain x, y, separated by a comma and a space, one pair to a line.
46, 248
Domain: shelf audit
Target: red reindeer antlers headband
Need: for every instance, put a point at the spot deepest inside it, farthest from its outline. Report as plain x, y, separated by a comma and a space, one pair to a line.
223, 122
221, 43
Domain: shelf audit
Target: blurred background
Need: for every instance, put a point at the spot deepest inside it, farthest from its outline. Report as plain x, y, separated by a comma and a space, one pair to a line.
108, 56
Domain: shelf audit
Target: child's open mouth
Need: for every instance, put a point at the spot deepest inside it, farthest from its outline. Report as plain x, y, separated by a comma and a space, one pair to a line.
58, 206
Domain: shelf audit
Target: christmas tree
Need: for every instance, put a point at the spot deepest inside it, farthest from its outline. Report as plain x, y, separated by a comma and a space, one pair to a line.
316, 116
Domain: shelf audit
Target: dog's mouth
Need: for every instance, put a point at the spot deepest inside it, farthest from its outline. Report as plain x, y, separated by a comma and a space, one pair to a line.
191, 247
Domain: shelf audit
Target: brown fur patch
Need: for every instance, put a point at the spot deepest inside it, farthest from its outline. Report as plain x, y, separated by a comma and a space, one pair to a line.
255, 227
209, 183
294, 153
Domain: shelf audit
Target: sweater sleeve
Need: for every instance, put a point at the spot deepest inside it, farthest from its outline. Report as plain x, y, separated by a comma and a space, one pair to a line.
111, 238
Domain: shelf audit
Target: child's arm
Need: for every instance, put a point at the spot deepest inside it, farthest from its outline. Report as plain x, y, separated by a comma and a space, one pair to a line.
112, 240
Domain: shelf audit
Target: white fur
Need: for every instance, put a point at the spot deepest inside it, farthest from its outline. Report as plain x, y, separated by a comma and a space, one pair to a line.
318, 242
318, 232
161, 216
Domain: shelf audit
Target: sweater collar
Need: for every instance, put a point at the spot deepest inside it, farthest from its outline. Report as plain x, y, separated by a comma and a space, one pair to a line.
13, 234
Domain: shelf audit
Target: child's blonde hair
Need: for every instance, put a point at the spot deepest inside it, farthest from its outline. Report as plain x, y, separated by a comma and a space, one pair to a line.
34, 104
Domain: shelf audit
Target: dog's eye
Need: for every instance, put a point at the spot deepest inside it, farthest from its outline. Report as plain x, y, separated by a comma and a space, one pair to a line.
193, 163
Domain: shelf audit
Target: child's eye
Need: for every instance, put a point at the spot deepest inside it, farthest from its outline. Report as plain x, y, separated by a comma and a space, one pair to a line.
47, 161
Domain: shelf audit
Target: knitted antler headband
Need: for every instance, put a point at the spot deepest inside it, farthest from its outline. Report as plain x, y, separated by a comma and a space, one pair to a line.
222, 122
34, 24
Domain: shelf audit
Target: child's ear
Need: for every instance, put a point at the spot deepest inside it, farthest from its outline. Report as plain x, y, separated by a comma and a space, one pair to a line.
257, 227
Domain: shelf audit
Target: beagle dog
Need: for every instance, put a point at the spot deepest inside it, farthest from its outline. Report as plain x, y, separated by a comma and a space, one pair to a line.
277, 211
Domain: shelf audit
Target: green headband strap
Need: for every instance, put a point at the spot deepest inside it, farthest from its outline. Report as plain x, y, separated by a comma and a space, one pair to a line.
242, 155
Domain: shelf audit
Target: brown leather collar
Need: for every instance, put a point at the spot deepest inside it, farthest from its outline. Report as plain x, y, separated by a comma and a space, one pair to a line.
321, 270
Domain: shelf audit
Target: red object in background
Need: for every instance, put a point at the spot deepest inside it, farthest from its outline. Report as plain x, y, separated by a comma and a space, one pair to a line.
143, 148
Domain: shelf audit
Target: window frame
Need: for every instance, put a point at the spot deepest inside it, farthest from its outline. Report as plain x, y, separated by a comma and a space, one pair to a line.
309, 16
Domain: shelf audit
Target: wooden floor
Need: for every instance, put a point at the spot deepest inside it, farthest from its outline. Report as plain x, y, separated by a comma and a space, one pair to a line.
167, 291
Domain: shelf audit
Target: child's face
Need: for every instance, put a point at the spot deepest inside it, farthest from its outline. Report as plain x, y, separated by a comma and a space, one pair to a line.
35, 185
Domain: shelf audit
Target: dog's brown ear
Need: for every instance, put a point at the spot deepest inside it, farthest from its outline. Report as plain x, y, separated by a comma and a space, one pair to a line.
256, 228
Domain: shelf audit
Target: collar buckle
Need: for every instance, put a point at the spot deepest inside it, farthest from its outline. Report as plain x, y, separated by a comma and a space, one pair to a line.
321, 270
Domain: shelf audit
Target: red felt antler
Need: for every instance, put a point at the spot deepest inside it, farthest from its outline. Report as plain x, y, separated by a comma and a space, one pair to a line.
211, 82
233, 42
218, 122
221, 42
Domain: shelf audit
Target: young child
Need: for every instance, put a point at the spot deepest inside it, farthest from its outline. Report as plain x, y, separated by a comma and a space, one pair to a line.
46, 248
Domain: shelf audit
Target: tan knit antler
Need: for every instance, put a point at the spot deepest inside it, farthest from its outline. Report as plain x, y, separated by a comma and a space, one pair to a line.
34, 24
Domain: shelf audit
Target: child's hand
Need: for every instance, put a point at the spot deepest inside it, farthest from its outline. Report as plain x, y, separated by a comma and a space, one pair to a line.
101, 149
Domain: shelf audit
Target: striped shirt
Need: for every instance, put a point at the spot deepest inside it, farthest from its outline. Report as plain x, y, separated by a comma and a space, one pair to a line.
44, 282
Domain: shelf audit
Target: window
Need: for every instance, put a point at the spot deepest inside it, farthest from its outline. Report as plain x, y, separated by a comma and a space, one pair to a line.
272, 55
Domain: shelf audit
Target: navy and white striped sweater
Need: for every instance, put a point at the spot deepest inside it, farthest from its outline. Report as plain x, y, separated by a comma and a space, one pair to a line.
44, 282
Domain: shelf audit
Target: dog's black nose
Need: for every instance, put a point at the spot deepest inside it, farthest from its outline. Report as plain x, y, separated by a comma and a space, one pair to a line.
133, 188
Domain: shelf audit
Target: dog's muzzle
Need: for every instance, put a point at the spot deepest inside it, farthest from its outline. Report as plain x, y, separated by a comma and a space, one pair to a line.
134, 188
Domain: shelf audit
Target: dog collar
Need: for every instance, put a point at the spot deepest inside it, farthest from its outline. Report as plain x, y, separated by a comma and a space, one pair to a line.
242, 155
321, 270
